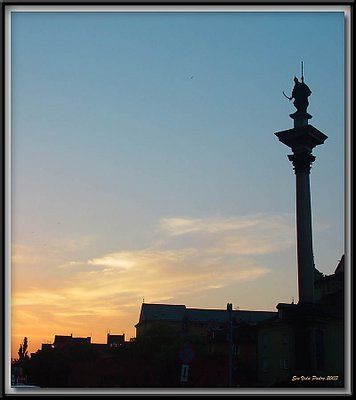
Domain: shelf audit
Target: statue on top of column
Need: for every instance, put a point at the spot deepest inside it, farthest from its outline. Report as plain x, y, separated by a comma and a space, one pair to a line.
300, 94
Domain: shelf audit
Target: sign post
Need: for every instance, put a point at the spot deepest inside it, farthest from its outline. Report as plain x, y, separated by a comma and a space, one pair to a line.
184, 373
186, 355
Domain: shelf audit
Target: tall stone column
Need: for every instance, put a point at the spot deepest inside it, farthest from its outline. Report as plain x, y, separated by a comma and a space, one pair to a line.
305, 316
302, 139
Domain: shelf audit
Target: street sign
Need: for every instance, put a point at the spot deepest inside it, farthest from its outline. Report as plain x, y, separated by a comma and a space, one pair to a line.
184, 373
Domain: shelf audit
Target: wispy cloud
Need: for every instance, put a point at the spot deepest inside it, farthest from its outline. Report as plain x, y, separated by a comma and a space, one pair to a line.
221, 252
189, 257
247, 235
216, 252
184, 225
136, 259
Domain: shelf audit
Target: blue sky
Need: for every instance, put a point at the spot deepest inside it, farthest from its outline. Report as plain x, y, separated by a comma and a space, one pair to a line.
144, 162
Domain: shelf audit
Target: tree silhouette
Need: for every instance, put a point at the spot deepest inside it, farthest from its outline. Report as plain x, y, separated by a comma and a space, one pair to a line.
23, 353
19, 366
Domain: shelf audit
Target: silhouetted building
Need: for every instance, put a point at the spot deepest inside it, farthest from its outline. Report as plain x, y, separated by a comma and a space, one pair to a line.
115, 341
225, 336
68, 341
286, 342
308, 323
46, 347
196, 320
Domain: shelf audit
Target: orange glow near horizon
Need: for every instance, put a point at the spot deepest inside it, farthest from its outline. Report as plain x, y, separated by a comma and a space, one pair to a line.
56, 293
40, 335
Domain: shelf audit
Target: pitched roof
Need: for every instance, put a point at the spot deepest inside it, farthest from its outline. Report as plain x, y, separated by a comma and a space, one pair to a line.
206, 315
341, 266
168, 312
171, 312
222, 316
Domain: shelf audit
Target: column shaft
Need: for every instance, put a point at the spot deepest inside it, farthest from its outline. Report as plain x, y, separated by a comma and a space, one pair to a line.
302, 164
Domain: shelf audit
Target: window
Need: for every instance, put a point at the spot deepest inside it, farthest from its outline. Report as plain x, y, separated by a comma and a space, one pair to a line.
283, 363
236, 350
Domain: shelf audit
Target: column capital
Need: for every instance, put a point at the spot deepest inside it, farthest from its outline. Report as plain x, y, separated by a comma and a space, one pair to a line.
302, 161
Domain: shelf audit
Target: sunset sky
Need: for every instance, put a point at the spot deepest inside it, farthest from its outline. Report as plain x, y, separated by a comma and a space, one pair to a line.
144, 163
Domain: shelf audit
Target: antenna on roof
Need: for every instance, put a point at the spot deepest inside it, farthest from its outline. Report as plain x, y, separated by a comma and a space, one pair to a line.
302, 69
143, 299
292, 299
